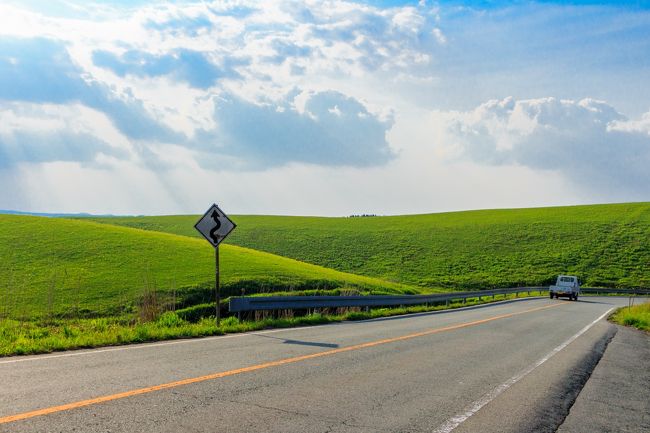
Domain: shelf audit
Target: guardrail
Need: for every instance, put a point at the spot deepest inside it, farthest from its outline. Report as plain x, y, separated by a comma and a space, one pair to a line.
257, 303
598, 290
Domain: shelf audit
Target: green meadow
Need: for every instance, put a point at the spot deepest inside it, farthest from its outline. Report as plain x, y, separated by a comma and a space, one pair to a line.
605, 245
88, 282
53, 267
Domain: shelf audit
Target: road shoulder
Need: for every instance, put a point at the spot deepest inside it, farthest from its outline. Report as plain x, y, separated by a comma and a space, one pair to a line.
540, 401
616, 398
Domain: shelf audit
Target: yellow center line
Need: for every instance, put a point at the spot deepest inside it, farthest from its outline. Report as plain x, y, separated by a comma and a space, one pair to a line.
103, 399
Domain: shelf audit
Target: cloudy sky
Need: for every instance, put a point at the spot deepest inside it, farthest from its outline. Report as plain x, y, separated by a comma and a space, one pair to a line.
322, 107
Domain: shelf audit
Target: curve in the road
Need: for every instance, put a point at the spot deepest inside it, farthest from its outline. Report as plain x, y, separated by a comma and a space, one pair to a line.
145, 390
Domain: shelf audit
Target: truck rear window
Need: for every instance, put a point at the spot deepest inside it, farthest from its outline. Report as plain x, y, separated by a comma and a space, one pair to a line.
566, 279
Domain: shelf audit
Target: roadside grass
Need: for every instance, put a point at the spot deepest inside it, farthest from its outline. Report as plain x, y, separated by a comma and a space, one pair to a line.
605, 245
637, 316
33, 337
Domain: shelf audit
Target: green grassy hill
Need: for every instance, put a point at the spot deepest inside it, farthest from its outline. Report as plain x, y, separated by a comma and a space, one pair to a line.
606, 245
57, 266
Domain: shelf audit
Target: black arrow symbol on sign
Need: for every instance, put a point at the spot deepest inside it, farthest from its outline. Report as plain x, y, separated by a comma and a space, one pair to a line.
213, 232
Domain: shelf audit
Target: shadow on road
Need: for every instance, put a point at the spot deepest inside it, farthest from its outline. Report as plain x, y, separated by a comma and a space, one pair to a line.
593, 302
299, 342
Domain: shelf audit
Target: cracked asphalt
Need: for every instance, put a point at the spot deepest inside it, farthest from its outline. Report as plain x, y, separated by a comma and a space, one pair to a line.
411, 384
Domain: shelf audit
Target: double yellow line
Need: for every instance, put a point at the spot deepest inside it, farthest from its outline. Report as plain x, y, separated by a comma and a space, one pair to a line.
106, 398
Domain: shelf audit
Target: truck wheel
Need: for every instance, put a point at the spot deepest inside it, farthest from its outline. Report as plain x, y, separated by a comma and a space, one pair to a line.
550, 294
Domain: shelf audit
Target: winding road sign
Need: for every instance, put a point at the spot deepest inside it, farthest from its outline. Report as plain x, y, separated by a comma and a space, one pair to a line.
215, 225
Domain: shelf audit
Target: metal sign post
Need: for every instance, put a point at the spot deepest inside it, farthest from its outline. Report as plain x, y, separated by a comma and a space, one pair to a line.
216, 284
215, 225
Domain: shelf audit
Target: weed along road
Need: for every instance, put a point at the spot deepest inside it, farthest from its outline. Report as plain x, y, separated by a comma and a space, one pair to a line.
512, 366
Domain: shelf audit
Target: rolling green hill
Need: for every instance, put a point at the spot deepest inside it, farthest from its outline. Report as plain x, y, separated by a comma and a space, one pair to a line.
55, 266
606, 245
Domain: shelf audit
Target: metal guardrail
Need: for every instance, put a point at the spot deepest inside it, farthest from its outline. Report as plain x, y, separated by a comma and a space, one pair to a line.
258, 303
616, 291
255, 303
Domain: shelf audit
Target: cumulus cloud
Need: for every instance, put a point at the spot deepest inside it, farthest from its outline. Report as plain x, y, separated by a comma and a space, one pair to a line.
192, 67
38, 70
41, 70
220, 73
328, 128
182, 24
204, 88
587, 141
35, 133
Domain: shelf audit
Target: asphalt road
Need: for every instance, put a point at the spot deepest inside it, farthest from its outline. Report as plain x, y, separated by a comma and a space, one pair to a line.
514, 366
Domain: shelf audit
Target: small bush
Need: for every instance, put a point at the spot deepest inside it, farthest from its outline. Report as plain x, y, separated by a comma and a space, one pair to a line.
70, 332
170, 320
195, 313
230, 321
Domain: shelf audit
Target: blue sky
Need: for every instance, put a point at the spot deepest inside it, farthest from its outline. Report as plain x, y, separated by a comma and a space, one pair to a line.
305, 107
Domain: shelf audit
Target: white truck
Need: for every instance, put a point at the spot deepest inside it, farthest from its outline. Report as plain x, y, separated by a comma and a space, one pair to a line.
566, 285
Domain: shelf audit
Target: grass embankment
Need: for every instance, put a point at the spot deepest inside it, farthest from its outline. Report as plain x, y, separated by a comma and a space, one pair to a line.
24, 338
637, 316
70, 268
70, 284
605, 245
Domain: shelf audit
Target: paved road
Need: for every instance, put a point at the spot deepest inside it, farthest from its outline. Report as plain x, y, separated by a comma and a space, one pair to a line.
480, 369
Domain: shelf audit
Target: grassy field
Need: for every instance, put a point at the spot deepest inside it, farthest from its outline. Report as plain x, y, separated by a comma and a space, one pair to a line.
605, 245
637, 316
71, 283
71, 268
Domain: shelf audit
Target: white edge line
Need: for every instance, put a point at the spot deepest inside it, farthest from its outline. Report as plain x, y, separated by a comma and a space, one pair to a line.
90, 351
145, 345
455, 421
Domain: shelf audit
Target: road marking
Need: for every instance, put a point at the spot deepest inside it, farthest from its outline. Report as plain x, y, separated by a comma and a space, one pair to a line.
228, 336
93, 401
145, 346
455, 421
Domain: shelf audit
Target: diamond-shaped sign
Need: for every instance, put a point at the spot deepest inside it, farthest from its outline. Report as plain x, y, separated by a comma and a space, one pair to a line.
215, 225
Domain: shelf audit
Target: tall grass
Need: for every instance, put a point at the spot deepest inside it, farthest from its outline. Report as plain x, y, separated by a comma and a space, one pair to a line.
637, 316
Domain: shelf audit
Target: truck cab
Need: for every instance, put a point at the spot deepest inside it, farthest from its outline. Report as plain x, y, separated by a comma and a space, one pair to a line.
566, 286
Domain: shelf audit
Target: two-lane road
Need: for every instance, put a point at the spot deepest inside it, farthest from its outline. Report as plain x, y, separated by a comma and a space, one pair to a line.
426, 372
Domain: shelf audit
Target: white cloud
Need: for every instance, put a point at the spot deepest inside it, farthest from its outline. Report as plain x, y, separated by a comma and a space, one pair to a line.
440, 37
641, 125
48, 132
325, 106
329, 128
586, 141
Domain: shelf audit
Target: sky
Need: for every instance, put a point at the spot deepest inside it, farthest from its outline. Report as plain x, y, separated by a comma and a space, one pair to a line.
322, 107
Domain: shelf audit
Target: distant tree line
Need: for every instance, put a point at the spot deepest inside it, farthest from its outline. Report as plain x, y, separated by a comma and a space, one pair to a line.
364, 215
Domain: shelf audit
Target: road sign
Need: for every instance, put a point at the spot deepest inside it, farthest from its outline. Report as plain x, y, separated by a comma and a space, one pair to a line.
215, 225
